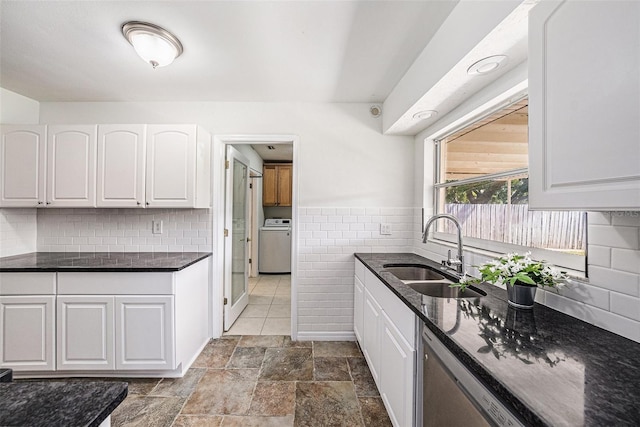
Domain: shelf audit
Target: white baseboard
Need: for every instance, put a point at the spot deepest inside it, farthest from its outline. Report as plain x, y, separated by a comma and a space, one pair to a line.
326, 336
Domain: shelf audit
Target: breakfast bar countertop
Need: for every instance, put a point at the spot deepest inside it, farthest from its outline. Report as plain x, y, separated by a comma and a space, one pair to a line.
551, 368
101, 261
59, 403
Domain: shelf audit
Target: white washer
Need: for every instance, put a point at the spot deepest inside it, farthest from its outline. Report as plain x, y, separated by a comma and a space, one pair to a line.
275, 246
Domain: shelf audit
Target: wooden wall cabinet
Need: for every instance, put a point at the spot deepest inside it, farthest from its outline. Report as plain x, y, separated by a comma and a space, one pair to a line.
584, 132
277, 179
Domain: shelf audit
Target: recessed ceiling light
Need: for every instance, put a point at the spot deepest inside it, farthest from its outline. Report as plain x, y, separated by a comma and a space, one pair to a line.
152, 43
425, 114
487, 65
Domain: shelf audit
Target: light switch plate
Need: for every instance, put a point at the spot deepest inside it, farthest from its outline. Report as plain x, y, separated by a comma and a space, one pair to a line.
385, 229
156, 227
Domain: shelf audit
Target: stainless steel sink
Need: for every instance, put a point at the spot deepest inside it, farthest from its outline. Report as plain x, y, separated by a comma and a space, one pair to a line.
444, 290
413, 272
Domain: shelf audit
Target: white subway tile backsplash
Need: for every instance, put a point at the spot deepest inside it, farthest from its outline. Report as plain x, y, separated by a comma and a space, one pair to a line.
600, 256
613, 322
326, 268
631, 219
123, 230
625, 305
614, 280
625, 260
603, 218
614, 236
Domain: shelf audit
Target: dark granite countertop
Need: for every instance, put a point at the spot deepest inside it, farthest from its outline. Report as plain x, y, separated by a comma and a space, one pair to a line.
101, 261
551, 368
56, 403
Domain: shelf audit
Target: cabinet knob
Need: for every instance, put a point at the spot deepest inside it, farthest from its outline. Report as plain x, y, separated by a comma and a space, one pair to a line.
138, 203
48, 203
39, 203
147, 203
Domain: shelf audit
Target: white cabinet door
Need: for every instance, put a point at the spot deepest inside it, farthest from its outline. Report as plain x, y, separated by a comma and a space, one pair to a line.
27, 330
397, 358
121, 166
584, 132
145, 334
358, 309
85, 333
22, 165
71, 166
372, 317
171, 166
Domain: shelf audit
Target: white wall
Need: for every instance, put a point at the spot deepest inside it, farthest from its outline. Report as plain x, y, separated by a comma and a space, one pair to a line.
350, 178
17, 226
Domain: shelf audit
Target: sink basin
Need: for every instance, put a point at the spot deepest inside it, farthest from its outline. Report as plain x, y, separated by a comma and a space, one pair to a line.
413, 272
443, 290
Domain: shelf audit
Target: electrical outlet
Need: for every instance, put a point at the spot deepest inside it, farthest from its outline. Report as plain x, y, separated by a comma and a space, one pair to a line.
156, 227
385, 229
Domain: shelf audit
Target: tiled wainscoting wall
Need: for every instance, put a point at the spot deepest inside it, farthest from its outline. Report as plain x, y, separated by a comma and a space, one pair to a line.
611, 297
124, 230
327, 239
18, 231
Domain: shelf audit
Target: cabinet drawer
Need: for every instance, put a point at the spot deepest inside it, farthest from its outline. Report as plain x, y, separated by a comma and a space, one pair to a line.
27, 283
115, 283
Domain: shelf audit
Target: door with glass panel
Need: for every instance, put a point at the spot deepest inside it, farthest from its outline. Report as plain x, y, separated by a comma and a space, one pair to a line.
236, 255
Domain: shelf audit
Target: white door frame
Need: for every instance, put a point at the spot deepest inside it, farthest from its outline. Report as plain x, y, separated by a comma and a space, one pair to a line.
218, 177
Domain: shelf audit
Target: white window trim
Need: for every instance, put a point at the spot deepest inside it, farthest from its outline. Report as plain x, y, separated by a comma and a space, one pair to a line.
576, 263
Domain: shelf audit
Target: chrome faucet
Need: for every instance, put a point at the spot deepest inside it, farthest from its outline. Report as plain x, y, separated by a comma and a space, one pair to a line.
459, 262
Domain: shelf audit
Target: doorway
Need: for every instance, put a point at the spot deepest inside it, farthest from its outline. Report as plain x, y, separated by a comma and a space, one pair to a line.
271, 297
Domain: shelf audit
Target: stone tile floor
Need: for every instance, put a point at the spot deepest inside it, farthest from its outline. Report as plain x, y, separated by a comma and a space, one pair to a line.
260, 381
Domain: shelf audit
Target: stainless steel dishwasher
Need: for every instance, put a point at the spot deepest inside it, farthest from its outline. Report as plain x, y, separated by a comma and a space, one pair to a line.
452, 396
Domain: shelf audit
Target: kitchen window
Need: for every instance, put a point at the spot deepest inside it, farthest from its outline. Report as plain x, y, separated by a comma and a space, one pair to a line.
482, 179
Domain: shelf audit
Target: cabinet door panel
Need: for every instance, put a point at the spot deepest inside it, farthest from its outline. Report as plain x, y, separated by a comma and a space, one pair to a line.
171, 165
584, 132
269, 186
396, 374
284, 185
121, 165
144, 327
372, 318
27, 330
71, 166
85, 333
22, 156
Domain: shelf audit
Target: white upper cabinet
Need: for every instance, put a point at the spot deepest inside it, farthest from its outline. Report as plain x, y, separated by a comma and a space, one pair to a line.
121, 166
584, 105
22, 165
71, 166
178, 166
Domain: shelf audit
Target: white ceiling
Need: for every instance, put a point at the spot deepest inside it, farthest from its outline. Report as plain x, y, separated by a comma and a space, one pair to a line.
264, 51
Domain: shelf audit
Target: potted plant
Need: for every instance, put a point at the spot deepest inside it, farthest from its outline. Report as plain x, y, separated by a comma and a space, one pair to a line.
521, 275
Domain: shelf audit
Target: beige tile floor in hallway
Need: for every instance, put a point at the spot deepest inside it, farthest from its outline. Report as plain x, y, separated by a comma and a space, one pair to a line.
260, 381
269, 309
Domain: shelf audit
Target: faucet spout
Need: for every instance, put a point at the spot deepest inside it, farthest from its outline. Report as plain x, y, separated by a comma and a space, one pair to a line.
459, 262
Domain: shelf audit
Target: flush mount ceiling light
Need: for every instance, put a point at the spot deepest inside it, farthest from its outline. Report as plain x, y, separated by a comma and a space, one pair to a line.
487, 65
152, 43
425, 114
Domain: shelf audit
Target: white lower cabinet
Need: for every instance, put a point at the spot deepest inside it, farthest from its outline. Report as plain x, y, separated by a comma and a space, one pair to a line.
396, 384
386, 331
27, 331
85, 333
144, 332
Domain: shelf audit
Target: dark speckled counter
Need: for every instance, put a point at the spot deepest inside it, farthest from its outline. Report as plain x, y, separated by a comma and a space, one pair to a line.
551, 368
101, 261
68, 403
